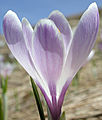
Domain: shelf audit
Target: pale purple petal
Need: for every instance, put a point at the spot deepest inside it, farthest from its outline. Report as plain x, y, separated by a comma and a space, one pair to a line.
48, 50
27, 32
81, 46
20, 49
15, 40
62, 24
48, 54
16, 43
28, 35
14, 37
84, 37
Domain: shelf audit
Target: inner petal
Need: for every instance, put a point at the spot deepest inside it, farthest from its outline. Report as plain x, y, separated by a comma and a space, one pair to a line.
48, 51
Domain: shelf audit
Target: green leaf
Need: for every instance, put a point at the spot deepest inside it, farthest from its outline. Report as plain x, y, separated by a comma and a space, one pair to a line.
63, 116
5, 106
38, 101
5, 88
4, 84
1, 111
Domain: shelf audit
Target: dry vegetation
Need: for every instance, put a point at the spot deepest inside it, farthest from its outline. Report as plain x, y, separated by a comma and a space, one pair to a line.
82, 102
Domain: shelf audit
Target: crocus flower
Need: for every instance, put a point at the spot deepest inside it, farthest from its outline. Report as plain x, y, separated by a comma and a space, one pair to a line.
51, 53
6, 69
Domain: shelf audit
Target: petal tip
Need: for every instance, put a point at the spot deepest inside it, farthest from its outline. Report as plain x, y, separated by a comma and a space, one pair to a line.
54, 12
44, 21
93, 6
9, 13
25, 21
92, 14
94, 9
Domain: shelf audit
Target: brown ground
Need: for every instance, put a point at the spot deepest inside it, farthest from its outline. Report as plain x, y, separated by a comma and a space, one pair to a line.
82, 102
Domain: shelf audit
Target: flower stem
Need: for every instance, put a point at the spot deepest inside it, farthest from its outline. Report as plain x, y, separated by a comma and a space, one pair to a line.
63, 116
38, 101
4, 96
1, 110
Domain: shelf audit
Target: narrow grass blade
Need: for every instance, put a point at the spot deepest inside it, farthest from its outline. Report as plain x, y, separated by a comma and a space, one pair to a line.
38, 101
63, 116
1, 111
4, 84
5, 106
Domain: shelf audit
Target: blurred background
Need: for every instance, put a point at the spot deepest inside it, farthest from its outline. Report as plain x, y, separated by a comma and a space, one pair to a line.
83, 100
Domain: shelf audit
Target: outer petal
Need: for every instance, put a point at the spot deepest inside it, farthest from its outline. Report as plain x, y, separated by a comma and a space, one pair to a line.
62, 24
27, 32
15, 40
48, 50
48, 56
28, 35
20, 47
81, 46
